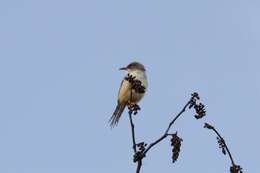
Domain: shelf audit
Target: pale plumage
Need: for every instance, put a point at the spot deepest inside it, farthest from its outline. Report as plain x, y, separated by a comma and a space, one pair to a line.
125, 97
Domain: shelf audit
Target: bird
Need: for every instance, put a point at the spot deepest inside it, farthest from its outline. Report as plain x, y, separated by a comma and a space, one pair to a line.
127, 96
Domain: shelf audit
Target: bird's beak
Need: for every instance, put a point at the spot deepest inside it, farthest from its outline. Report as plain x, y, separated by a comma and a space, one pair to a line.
123, 68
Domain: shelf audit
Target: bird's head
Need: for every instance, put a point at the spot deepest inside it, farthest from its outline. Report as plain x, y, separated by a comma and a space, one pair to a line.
133, 67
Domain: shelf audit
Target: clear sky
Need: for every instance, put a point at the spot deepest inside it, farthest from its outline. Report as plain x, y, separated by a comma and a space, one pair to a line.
59, 76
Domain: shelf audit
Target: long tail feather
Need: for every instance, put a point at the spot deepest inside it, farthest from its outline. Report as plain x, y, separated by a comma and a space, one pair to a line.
116, 115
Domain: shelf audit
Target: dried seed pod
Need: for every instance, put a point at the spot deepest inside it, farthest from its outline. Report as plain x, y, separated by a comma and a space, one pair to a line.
236, 169
176, 144
208, 126
221, 144
199, 107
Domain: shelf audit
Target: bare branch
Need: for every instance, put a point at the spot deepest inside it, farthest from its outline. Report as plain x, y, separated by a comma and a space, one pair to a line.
137, 154
140, 149
139, 165
222, 144
191, 103
132, 130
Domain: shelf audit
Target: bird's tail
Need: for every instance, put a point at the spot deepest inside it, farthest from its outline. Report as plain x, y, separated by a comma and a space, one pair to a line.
116, 115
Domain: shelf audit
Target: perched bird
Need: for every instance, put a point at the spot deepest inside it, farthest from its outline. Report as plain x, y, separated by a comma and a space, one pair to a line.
127, 96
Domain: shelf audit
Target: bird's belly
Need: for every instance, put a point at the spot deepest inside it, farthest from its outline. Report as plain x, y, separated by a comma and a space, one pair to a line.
136, 97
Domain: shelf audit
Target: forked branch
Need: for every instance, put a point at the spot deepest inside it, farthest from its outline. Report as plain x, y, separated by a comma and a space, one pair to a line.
140, 149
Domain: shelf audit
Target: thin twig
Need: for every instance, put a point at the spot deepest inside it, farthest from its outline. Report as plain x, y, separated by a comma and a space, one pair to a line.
133, 131
139, 165
226, 147
234, 168
139, 162
222, 140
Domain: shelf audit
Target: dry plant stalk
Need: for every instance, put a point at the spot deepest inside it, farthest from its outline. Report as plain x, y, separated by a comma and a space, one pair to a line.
141, 149
234, 168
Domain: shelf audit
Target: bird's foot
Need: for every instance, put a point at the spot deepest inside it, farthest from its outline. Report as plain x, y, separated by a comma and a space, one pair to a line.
133, 108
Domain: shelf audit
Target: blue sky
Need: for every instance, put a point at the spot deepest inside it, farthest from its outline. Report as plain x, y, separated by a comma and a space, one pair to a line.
59, 77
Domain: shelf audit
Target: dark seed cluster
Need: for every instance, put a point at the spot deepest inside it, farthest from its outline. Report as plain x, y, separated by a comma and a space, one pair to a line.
140, 150
236, 169
141, 146
199, 107
195, 95
176, 144
136, 84
200, 110
222, 144
130, 78
133, 109
208, 126
138, 156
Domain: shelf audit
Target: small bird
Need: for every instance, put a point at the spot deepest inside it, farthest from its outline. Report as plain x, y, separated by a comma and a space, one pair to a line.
127, 96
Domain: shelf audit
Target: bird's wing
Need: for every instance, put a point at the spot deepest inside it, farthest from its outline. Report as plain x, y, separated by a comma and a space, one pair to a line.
124, 93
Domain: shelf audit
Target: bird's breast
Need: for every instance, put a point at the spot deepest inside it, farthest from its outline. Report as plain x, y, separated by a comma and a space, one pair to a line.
141, 76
